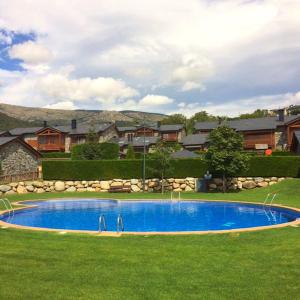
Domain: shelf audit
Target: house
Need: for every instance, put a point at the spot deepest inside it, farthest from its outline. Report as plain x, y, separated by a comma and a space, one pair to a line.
195, 141
17, 157
168, 133
274, 132
138, 143
63, 138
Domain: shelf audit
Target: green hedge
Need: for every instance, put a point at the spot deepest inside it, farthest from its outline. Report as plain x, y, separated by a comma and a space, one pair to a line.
283, 153
56, 155
108, 169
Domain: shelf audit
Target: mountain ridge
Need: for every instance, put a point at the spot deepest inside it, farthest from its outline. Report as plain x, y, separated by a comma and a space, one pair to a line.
34, 115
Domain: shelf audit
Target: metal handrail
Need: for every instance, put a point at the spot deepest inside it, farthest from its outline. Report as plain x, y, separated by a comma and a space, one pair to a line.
179, 196
102, 222
6, 208
120, 223
270, 199
9, 205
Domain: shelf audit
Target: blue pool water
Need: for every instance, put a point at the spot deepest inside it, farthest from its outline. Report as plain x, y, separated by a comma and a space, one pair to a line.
149, 216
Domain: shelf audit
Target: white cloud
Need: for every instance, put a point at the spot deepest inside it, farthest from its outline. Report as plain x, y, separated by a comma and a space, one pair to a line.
155, 100
117, 47
192, 72
241, 106
69, 105
34, 89
33, 55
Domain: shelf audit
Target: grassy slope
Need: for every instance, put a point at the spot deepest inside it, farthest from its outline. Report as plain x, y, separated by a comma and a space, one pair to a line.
256, 265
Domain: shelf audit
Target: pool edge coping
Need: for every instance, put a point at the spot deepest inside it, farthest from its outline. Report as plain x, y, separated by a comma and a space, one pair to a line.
115, 234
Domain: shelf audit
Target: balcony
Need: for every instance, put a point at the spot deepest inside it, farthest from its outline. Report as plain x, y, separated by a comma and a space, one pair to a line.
51, 147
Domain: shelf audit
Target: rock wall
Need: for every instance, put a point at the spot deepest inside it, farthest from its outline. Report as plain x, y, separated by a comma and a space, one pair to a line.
241, 183
136, 185
17, 159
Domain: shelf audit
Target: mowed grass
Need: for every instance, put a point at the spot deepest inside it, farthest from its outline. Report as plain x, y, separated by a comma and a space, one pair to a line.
254, 265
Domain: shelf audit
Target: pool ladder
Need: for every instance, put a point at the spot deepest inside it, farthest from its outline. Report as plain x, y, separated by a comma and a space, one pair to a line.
102, 224
172, 196
8, 206
270, 198
120, 224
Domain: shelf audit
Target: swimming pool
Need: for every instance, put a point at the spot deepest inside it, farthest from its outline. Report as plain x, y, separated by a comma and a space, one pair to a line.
148, 216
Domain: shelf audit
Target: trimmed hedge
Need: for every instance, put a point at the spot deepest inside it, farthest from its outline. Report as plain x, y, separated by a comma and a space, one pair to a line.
56, 155
126, 169
109, 169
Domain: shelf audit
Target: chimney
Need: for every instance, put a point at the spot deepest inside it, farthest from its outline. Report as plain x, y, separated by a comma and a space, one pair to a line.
73, 124
281, 114
45, 124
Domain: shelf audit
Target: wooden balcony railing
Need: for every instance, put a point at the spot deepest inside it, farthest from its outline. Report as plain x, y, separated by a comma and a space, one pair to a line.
51, 147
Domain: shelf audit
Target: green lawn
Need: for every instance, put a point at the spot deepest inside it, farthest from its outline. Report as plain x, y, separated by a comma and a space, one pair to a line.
254, 265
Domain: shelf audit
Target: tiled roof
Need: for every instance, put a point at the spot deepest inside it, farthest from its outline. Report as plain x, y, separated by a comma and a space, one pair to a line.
184, 154
174, 127
137, 141
24, 130
6, 139
126, 128
195, 139
80, 129
83, 129
268, 123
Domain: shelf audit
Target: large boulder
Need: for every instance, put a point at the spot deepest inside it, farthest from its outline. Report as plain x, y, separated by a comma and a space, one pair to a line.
135, 188
59, 186
5, 188
263, 184
71, 189
249, 185
134, 181
21, 190
30, 188
188, 189
38, 184
104, 185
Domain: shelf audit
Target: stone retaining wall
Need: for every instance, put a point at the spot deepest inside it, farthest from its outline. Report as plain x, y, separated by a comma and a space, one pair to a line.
136, 185
241, 183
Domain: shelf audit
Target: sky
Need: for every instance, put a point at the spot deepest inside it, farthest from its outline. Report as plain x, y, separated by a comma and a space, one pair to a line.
224, 56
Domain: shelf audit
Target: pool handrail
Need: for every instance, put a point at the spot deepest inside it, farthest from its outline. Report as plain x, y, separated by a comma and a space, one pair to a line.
102, 222
9, 205
120, 223
6, 208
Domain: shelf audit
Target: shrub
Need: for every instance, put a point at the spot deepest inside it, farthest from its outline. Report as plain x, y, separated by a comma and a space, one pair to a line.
283, 153
130, 152
95, 151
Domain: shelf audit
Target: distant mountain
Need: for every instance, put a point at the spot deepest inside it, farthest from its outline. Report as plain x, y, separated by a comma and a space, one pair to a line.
33, 116
7, 122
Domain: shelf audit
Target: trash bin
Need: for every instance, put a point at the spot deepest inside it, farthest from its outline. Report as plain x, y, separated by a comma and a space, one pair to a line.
203, 183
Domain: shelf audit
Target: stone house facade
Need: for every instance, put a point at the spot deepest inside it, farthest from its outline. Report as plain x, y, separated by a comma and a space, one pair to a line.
17, 157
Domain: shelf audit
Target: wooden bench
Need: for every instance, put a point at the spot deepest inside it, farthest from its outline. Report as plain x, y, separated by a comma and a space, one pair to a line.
120, 189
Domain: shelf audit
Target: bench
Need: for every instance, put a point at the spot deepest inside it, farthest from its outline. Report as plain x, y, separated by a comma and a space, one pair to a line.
120, 189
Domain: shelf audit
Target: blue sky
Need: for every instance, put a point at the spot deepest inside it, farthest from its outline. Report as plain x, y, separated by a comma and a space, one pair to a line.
226, 57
